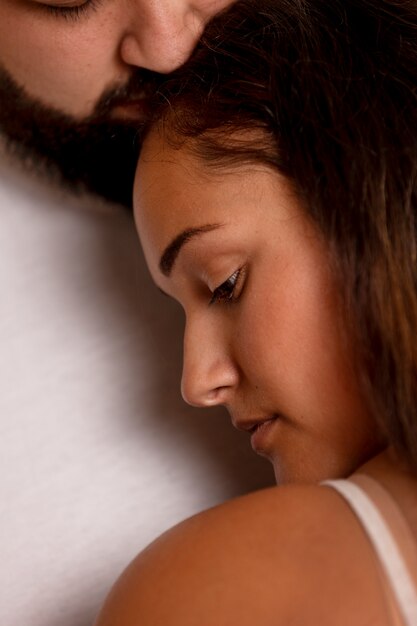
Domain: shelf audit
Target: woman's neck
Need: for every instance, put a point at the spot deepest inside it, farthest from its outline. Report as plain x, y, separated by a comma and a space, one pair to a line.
395, 476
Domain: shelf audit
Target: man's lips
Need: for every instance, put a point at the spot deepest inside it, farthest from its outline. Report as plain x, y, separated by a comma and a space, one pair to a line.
134, 109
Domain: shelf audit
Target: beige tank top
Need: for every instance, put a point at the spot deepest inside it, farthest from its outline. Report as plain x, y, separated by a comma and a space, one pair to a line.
392, 540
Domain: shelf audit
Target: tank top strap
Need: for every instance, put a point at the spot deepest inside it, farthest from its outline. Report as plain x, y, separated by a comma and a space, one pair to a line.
391, 537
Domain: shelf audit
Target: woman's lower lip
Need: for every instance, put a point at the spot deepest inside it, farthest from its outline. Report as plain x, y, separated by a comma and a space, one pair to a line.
261, 438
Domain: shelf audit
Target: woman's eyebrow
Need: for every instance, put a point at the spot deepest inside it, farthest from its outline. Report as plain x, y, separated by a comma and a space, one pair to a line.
173, 249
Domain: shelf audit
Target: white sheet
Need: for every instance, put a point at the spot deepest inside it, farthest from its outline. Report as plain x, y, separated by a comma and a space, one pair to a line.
98, 453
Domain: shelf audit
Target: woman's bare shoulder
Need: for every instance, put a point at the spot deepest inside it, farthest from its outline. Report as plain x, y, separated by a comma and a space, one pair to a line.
290, 553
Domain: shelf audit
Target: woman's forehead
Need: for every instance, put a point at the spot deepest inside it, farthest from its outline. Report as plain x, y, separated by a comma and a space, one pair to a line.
176, 192
169, 197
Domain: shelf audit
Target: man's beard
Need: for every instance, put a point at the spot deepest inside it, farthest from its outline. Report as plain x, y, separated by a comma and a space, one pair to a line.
98, 153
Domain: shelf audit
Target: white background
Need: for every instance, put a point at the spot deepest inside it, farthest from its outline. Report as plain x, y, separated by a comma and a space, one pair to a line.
98, 453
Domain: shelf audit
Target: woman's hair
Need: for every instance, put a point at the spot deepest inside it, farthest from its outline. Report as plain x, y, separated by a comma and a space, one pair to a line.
328, 91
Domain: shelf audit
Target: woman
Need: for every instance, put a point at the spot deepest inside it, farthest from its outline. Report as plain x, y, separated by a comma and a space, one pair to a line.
276, 201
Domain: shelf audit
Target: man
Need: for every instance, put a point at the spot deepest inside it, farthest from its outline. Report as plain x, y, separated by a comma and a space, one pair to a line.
98, 453
74, 76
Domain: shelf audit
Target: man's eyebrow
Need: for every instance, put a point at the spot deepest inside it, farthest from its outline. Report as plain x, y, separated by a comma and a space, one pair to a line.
171, 252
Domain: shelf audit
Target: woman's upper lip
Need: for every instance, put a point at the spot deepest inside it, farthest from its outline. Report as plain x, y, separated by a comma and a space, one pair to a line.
250, 425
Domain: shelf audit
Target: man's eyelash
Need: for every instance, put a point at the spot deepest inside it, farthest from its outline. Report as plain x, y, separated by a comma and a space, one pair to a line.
226, 292
72, 12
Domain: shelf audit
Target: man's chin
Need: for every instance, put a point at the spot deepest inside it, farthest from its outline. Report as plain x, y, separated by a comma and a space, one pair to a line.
98, 154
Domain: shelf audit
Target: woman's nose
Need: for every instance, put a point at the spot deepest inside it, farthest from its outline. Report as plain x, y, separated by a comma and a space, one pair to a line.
161, 34
209, 373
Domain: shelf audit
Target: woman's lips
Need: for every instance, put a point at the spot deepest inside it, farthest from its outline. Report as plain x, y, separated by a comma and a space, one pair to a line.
261, 435
261, 432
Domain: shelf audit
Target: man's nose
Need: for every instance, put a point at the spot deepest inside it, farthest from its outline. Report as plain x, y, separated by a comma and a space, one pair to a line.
161, 34
210, 374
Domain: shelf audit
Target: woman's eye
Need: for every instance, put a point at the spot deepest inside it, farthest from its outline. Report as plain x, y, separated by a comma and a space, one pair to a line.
70, 10
230, 290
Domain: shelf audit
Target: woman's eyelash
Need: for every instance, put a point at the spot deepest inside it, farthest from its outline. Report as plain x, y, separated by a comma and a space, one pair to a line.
71, 12
229, 290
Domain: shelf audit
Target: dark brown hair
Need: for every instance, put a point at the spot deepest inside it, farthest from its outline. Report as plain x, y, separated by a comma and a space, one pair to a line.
331, 86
